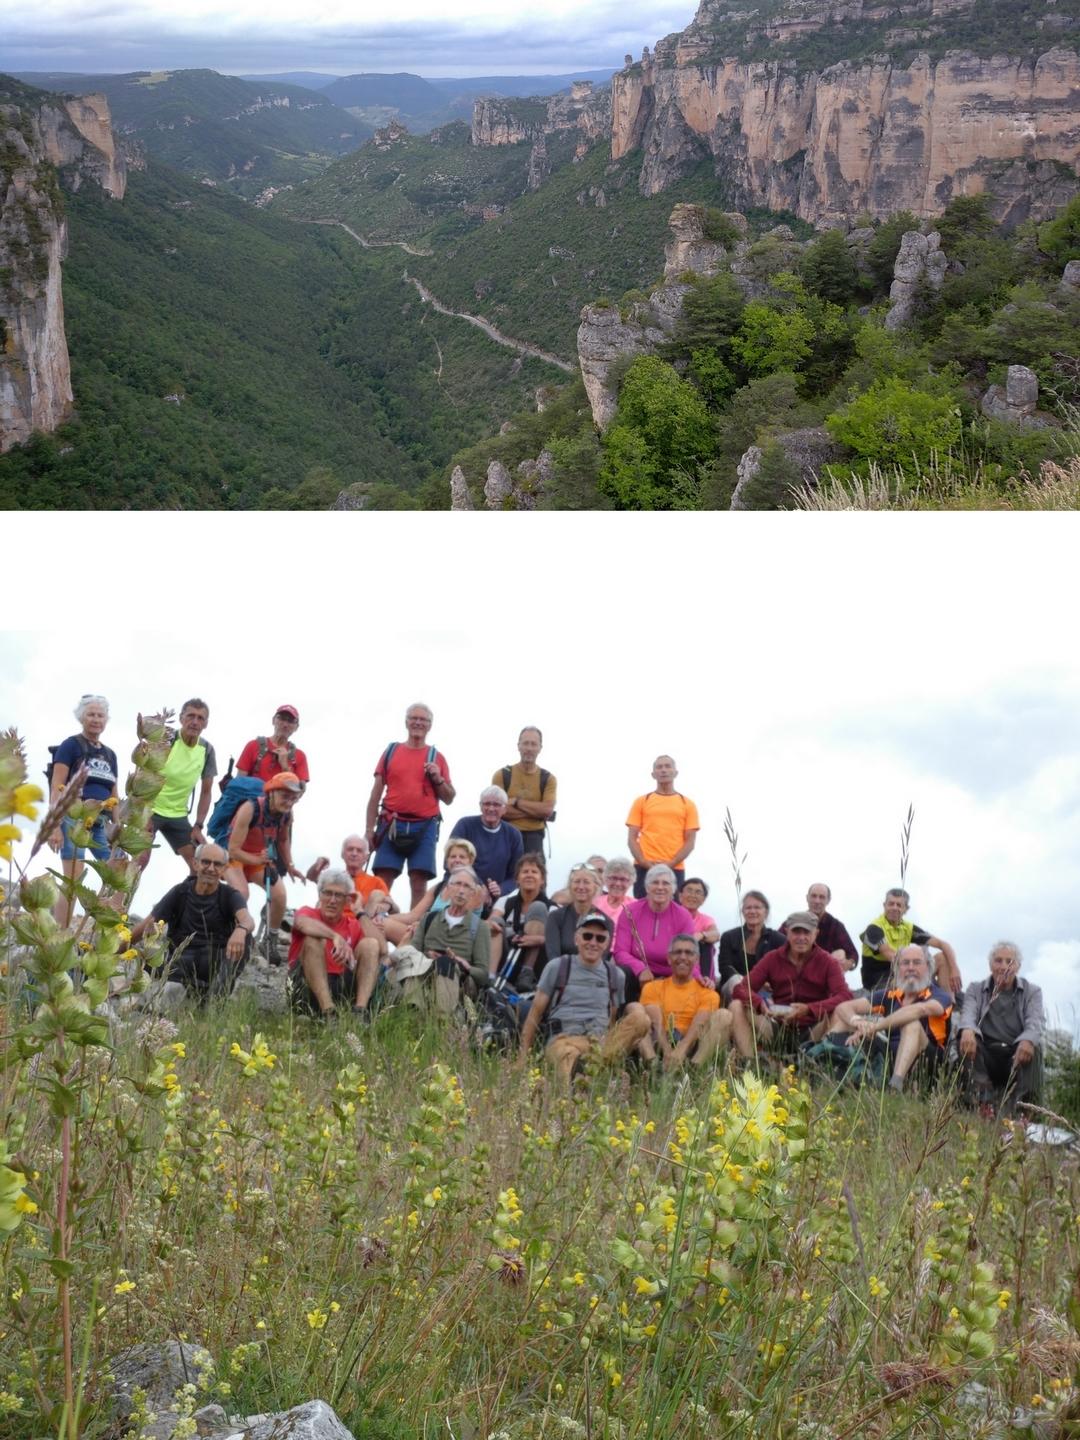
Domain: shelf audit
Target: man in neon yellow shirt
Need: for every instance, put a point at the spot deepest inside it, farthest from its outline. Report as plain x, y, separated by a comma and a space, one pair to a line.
191, 766
885, 937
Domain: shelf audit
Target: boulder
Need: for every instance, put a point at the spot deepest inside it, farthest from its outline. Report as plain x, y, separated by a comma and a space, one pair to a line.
313, 1421
267, 984
497, 486
460, 499
747, 470
807, 452
689, 248
160, 1372
920, 266
1017, 401
1070, 276
532, 477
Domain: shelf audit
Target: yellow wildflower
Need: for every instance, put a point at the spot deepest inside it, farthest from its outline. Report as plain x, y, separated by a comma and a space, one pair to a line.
123, 1287
317, 1318
26, 797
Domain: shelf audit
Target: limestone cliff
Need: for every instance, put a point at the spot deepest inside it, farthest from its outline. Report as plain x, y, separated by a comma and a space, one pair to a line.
893, 128
45, 141
508, 122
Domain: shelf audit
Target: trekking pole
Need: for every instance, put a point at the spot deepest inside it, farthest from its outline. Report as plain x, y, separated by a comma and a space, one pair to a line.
271, 948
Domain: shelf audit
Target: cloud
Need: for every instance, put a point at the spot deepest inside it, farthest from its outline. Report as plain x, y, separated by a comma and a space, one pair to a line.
254, 37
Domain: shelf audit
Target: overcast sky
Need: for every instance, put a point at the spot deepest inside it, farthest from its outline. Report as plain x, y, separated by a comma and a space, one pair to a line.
475, 37
816, 674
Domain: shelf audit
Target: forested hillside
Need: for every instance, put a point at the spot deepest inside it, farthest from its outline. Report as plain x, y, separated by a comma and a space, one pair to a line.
225, 358
238, 132
956, 394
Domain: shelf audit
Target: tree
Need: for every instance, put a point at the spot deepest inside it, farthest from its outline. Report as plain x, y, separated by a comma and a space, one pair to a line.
1060, 238
896, 423
769, 339
659, 437
882, 251
828, 269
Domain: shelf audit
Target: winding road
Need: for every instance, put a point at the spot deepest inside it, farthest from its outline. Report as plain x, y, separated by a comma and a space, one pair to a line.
521, 346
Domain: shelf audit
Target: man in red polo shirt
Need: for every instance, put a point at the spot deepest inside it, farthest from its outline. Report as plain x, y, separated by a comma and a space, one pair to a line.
403, 813
789, 993
330, 960
268, 755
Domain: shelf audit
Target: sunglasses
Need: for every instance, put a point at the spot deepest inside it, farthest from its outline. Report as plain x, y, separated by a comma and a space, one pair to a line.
593, 938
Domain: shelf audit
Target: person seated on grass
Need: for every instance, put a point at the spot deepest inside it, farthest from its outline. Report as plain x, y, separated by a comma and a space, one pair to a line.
692, 897
210, 921
330, 959
789, 993
521, 918
687, 1019
457, 855
581, 995
458, 941
913, 1015
618, 881
1001, 1024
647, 927
832, 934
885, 937
741, 947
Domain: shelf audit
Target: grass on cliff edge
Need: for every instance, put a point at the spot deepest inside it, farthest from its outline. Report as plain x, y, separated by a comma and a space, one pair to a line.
459, 1250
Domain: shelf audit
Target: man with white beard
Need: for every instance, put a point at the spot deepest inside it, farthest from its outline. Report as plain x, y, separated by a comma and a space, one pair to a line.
912, 1014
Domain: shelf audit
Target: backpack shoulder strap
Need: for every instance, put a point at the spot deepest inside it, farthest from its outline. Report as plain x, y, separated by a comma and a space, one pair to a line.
506, 776
388, 755
474, 923
545, 776
609, 966
560, 983
260, 754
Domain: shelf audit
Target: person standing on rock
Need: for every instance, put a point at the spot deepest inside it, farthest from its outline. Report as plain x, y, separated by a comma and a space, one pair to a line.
403, 815
662, 826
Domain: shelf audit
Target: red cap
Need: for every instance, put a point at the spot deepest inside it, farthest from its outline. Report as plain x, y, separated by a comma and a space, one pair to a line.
290, 710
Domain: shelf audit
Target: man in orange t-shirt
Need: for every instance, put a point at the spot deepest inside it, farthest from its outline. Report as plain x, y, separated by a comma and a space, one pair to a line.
687, 1017
662, 826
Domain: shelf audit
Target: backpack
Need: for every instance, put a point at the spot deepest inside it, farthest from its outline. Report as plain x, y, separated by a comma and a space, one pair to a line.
502, 1015
84, 751
551, 1026
260, 756
545, 776
847, 1065
240, 789
421, 934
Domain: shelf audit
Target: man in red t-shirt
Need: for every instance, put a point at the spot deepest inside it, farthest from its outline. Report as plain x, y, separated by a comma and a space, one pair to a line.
267, 755
403, 813
327, 946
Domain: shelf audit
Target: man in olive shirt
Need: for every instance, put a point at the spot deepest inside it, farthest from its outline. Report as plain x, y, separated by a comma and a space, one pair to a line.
530, 791
1001, 1026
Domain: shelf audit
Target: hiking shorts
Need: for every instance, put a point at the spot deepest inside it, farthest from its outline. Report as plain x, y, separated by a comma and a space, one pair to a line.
98, 847
176, 829
342, 989
421, 859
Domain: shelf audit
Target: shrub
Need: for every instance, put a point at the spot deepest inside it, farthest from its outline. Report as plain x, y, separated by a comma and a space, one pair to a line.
896, 423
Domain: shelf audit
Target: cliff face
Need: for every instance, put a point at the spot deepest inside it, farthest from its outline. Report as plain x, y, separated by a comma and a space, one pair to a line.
508, 122
873, 134
44, 141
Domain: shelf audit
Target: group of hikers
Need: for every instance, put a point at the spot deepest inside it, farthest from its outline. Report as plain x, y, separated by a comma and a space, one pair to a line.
623, 962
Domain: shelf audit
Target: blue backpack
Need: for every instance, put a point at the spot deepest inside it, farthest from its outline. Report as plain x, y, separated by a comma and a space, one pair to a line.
240, 789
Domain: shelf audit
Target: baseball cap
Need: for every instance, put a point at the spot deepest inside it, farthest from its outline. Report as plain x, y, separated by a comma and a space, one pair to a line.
290, 710
594, 917
801, 920
286, 780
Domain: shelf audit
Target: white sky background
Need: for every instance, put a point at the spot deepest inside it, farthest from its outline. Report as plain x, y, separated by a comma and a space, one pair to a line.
475, 37
816, 674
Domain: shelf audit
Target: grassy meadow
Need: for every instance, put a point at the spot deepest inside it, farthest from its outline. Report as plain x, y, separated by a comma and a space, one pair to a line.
439, 1243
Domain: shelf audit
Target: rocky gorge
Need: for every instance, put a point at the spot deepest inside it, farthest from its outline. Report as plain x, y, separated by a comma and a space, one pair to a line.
46, 142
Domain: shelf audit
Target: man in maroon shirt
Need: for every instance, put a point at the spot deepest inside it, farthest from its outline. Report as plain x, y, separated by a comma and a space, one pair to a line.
802, 985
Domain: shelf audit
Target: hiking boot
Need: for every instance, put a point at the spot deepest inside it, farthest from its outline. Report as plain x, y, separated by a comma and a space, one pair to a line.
274, 951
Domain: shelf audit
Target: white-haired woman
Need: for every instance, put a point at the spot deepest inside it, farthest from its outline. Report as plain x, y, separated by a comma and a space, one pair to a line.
647, 927
619, 886
102, 772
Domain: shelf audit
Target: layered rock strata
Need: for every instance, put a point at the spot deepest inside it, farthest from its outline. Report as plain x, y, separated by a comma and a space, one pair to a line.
861, 136
45, 140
